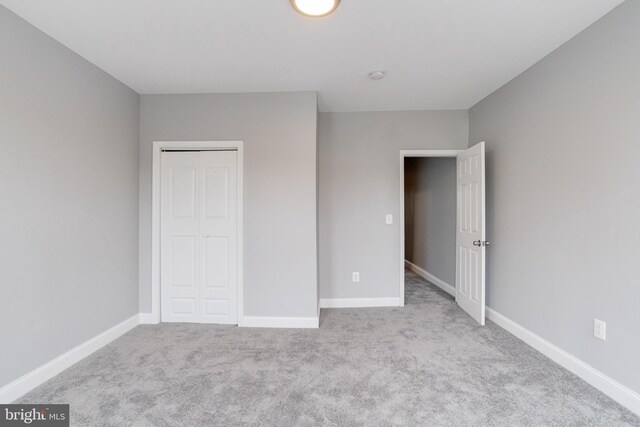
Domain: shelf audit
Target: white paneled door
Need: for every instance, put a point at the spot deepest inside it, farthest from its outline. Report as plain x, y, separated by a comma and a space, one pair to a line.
198, 237
470, 236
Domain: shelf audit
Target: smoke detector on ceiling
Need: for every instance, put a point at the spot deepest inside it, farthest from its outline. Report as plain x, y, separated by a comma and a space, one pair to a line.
376, 75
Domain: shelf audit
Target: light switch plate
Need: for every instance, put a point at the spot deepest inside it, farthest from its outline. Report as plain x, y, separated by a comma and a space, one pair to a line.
600, 329
389, 219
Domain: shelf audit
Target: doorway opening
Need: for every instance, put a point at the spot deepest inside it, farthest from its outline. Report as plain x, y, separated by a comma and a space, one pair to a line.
427, 216
430, 226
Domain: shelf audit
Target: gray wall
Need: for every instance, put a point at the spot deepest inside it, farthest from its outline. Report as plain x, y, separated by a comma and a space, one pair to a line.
563, 194
279, 134
430, 215
69, 191
360, 183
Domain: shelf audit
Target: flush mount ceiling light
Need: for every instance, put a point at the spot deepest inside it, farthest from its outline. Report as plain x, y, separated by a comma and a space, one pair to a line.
315, 8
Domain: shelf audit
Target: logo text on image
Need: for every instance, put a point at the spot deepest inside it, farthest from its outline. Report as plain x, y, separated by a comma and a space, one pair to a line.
36, 415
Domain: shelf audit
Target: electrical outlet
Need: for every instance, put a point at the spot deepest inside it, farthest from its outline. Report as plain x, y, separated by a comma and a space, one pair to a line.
599, 329
355, 277
389, 219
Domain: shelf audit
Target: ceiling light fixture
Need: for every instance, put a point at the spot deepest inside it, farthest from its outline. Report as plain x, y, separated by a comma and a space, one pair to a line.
315, 8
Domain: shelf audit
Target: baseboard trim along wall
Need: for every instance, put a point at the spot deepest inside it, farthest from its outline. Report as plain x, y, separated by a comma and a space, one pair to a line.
19, 387
451, 290
280, 322
31, 380
618, 392
359, 302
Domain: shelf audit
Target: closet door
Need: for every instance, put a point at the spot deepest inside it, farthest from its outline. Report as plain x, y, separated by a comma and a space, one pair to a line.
198, 241
219, 243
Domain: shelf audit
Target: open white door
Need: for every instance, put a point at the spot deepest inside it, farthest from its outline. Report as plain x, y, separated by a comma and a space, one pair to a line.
470, 236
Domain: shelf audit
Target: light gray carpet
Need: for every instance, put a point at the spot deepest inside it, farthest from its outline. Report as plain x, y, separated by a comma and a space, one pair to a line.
425, 364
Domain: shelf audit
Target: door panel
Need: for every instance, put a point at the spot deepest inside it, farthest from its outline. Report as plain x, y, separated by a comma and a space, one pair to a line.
216, 192
216, 262
218, 224
183, 261
183, 306
183, 192
199, 237
470, 237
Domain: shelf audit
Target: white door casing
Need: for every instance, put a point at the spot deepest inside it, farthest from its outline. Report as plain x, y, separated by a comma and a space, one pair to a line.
470, 235
403, 155
198, 237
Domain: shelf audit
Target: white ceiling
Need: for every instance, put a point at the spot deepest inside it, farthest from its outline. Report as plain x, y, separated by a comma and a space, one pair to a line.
438, 54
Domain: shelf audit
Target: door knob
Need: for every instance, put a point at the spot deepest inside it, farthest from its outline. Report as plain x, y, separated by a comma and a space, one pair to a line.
477, 243
206, 236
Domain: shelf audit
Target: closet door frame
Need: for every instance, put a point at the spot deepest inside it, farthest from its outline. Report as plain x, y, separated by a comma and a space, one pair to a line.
158, 147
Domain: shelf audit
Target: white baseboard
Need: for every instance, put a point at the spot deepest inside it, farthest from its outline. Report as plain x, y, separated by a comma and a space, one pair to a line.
618, 392
31, 380
28, 382
279, 322
359, 302
451, 290
148, 319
